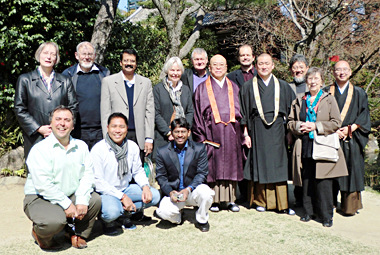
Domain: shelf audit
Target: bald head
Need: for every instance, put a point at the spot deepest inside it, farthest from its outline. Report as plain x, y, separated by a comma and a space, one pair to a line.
342, 72
264, 65
218, 67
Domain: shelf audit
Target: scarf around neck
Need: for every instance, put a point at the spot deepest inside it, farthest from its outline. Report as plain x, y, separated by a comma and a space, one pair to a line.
120, 154
311, 114
175, 97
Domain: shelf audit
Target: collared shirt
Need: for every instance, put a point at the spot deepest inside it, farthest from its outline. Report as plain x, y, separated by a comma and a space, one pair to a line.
47, 81
131, 82
249, 74
220, 83
93, 68
341, 90
267, 81
56, 173
177, 88
107, 181
181, 157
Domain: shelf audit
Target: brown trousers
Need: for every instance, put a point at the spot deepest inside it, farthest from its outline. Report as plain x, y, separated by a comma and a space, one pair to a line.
270, 196
351, 202
49, 219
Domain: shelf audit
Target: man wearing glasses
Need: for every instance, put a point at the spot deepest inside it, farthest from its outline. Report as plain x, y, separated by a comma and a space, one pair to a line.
87, 77
199, 73
356, 125
217, 124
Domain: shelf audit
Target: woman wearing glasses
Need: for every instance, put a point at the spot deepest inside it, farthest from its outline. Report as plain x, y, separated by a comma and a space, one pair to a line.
315, 111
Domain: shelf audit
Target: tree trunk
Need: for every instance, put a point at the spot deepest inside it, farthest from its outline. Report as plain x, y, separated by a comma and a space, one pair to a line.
103, 27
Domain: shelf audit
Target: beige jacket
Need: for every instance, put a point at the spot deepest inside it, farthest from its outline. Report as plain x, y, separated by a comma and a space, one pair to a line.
328, 121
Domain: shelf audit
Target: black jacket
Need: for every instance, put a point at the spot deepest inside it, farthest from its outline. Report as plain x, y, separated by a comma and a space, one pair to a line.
188, 79
163, 112
33, 103
237, 76
195, 167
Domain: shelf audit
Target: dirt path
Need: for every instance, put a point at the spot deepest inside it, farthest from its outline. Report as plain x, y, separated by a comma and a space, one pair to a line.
357, 235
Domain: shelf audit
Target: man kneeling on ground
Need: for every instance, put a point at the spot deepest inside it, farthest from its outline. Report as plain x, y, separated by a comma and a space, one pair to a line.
181, 170
116, 161
59, 186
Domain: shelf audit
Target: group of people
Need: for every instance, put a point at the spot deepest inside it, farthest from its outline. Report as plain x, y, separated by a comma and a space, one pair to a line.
86, 134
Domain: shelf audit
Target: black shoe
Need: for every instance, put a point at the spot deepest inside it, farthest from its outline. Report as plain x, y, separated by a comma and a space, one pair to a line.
156, 215
140, 217
110, 229
305, 218
328, 223
233, 207
127, 224
205, 227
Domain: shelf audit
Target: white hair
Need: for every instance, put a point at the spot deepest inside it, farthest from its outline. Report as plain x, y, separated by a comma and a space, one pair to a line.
171, 62
80, 45
198, 51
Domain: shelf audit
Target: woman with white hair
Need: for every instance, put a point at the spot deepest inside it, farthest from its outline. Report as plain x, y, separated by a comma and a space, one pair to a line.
38, 93
172, 100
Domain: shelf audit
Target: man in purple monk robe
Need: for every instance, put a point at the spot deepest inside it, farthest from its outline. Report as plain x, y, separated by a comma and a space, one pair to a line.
217, 124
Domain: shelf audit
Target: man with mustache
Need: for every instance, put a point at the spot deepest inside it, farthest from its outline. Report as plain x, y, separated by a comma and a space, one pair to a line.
87, 77
132, 95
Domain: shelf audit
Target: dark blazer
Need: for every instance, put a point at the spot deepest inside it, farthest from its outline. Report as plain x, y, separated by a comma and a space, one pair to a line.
163, 111
237, 76
33, 103
195, 169
72, 73
188, 79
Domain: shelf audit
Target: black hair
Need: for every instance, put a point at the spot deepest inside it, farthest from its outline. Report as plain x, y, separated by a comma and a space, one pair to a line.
180, 122
130, 52
117, 115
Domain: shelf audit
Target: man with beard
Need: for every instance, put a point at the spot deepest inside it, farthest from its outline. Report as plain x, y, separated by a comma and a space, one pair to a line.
199, 73
247, 71
132, 95
298, 67
353, 105
87, 77
265, 104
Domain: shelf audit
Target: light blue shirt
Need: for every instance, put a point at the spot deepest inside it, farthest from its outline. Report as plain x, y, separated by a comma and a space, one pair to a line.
107, 181
56, 173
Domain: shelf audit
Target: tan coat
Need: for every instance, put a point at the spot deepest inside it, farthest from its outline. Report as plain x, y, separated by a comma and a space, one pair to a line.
328, 121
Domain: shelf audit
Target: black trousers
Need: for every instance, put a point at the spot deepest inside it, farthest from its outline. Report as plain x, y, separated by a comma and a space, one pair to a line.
131, 135
317, 193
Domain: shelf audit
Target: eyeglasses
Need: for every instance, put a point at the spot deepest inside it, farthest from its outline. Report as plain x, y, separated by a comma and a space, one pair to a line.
311, 79
90, 55
218, 65
342, 70
296, 68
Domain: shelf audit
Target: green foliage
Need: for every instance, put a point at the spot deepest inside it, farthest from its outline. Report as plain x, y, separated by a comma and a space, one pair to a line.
150, 43
24, 25
8, 172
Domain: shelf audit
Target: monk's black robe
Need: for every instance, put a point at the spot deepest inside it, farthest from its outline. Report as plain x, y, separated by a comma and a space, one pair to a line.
353, 149
267, 159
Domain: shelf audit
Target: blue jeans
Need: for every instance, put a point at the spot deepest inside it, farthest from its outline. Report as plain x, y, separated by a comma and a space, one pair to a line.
112, 208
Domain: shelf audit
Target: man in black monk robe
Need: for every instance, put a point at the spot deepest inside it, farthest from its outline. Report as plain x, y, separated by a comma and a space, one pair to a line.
265, 104
353, 105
